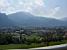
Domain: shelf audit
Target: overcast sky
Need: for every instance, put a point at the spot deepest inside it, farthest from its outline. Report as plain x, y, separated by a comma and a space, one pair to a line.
47, 8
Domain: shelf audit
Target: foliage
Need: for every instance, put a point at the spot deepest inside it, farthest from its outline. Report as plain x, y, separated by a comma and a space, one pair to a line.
31, 39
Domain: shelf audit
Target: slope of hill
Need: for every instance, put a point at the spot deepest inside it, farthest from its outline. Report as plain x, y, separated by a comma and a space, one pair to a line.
27, 19
5, 21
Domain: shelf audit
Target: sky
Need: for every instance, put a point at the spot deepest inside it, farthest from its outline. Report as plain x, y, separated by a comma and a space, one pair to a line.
44, 8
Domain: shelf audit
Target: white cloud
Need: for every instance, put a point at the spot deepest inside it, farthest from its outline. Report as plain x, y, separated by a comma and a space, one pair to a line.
23, 5
35, 7
50, 13
54, 11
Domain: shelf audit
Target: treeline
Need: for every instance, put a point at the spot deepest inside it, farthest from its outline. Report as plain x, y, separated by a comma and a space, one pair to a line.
32, 36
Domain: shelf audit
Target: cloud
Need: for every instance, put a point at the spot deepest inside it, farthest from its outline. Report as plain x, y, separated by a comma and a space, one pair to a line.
4, 5
9, 6
44, 12
54, 11
35, 7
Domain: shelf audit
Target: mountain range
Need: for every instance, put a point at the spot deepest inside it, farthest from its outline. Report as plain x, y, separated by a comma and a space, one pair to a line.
5, 21
27, 19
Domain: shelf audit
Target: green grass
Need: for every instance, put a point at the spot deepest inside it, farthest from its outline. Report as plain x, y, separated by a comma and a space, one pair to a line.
33, 45
57, 43
20, 46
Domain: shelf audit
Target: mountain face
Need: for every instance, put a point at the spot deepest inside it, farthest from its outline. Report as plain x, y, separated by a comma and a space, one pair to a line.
4, 20
26, 19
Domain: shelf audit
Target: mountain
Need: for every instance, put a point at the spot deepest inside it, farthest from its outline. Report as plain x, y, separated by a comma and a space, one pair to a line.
27, 19
4, 20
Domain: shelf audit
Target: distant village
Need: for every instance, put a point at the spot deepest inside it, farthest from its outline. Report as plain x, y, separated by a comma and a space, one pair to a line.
43, 34
40, 31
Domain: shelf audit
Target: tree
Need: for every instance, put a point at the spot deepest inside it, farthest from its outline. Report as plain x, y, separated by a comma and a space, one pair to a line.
20, 33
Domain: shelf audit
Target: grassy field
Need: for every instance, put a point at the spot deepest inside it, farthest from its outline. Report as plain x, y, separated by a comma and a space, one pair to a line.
57, 43
24, 46
20, 46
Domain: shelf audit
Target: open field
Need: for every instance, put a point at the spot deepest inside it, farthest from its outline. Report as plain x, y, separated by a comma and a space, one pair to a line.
55, 47
24, 46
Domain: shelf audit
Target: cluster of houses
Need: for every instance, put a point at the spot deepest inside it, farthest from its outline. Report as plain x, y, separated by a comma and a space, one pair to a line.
31, 31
